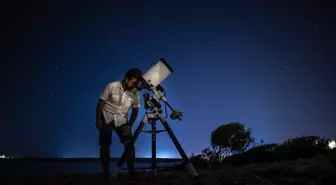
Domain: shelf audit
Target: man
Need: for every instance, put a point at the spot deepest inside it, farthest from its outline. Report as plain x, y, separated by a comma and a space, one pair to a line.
112, 114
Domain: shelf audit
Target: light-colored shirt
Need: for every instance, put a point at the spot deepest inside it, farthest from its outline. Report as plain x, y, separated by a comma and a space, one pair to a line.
118, 102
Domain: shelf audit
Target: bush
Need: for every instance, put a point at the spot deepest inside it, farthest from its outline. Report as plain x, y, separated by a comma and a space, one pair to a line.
209, 158
302, 147
233, 137
291, 149
199, 162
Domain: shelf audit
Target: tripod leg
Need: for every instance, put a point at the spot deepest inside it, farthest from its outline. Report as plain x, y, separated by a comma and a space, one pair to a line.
122, 159
184, 156
153, 123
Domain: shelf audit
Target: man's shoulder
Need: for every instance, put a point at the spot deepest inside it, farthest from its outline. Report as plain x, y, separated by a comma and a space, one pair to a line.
114, 84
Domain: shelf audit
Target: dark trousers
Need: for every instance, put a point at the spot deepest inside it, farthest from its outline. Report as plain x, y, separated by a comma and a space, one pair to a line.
105, 141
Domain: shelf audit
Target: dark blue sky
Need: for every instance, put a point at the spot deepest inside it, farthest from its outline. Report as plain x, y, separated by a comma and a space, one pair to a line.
267, 64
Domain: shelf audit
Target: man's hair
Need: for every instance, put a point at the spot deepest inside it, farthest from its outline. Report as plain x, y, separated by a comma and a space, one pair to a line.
134, 72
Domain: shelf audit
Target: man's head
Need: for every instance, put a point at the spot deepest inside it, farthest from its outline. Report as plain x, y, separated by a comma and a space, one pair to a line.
132, 77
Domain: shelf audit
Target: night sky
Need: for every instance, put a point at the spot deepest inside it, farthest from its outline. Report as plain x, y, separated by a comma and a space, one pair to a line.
267, 64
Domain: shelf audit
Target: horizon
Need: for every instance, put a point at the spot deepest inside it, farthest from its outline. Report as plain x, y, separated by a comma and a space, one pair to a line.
331, 145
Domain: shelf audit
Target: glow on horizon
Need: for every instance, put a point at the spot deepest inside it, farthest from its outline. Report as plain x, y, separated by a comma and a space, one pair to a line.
163, 154
76, 155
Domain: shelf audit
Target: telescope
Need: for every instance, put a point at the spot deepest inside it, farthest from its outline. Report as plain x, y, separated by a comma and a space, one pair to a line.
151, 81
155, 75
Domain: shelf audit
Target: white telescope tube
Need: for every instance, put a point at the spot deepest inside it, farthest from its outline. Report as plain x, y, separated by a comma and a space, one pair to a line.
159, 72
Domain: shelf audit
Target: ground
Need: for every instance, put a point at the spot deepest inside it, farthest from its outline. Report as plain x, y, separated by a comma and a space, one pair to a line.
315, 171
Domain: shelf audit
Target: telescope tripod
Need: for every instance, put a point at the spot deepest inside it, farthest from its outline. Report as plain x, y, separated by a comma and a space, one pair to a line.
152, 116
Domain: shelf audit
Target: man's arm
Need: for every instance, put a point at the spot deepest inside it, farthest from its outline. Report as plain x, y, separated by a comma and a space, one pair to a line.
134, 115
135, 109
101, 102
100, 105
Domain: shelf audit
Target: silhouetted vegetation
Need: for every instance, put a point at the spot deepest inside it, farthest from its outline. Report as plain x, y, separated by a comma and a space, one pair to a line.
232, 138
230, 143
228, 139
291, 149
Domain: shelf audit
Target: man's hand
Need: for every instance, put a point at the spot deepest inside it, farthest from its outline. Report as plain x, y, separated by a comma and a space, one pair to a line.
99, 124
127, 129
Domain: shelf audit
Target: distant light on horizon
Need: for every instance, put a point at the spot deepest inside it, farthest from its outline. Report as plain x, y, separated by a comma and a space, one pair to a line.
5, 157
332, 144
164, 155
148, 154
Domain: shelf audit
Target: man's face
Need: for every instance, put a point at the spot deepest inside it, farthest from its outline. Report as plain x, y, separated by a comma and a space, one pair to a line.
131, 82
